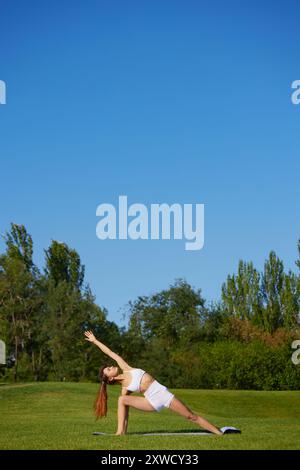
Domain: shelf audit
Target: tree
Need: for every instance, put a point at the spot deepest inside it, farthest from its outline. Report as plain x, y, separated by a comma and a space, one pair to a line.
19, 246
298, 282
70, 310
173, 314
298, 260
20, 302
241, 295
272, 286
290, 300
63, 265
66, 312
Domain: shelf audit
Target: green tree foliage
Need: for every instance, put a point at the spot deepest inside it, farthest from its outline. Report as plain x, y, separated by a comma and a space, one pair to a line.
298, 283
298, 260
63, 265
19, 296
213, 318
272, 287
270, 299
69, 310
19, 246
254, 365
290, 300
242, 341
43, 317
241, 295
172, 315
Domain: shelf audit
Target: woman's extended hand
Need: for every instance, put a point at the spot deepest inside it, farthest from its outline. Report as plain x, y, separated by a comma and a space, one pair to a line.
89, 336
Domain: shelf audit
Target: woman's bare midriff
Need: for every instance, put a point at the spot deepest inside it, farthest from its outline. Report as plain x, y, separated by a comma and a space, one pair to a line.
146, 381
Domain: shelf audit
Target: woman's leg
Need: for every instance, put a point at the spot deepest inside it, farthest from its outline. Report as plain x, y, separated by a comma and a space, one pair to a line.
126, 418
180, 408
124, 402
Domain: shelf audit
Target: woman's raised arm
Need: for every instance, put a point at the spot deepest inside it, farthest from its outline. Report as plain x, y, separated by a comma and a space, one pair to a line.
89, 336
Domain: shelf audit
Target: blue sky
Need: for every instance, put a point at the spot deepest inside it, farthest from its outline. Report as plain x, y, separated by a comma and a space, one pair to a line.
163, 101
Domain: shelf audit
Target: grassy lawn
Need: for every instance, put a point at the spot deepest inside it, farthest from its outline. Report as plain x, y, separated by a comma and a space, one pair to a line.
60, 416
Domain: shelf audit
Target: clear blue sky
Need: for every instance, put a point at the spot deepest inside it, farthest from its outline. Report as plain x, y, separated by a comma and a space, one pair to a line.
163, 101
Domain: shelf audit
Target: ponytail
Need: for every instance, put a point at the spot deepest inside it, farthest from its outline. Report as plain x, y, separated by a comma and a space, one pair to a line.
100, 405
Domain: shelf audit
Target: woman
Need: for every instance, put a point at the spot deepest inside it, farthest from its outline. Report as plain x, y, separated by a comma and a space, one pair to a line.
156, 396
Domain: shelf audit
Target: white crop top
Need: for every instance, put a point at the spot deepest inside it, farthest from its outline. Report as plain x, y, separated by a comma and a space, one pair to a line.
135, 383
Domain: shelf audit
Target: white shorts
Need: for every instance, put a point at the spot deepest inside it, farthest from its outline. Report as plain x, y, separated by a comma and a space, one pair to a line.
158, 396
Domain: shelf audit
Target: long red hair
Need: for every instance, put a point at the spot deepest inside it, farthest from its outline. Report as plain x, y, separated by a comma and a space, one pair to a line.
100, 405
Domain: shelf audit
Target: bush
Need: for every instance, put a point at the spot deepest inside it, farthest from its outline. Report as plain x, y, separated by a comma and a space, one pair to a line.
255, 365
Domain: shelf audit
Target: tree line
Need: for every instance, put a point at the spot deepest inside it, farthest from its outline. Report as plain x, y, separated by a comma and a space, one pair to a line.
242, 341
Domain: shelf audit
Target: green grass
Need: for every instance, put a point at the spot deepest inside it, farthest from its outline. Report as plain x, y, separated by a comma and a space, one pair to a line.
59, 416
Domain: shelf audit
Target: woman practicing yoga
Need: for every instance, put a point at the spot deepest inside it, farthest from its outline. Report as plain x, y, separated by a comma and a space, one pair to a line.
156, 396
